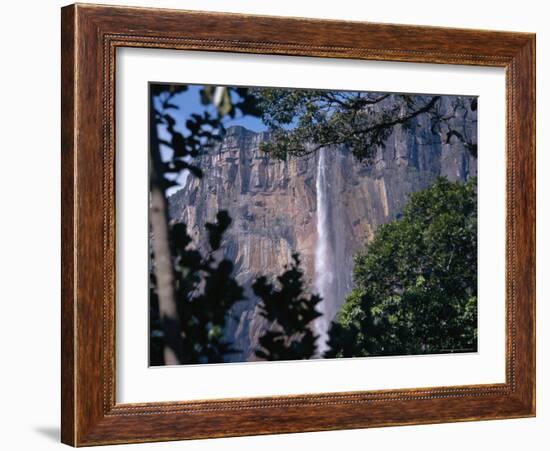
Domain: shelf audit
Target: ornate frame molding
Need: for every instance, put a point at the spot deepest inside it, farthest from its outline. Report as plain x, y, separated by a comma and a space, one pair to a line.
90, 37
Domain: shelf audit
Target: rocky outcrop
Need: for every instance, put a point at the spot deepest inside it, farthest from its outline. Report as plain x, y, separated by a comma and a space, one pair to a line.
273, 205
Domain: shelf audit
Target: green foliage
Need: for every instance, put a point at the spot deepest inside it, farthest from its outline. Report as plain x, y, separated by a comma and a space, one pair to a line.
301, 121
416, 284
290, 313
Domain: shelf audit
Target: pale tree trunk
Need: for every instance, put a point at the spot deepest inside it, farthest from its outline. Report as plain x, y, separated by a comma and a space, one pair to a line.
164, 272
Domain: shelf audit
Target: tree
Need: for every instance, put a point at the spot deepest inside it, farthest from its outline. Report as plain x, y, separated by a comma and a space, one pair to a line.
302, 121
170, 304
290, 313
415, 285
204, 290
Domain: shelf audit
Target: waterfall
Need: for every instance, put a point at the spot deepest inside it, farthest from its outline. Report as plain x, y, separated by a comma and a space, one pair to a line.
324, 282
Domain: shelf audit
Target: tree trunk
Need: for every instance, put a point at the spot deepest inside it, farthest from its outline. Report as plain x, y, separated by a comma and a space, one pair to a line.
158, 218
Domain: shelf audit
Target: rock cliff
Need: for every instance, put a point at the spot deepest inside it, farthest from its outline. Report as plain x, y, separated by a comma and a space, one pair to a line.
273, 205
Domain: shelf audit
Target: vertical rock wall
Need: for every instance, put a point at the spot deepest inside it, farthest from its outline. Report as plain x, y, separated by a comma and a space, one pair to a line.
273, 205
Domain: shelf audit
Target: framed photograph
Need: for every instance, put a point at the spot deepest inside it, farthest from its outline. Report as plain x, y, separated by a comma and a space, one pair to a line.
278, 225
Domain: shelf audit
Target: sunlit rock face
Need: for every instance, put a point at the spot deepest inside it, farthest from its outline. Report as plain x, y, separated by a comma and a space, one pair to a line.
273, 205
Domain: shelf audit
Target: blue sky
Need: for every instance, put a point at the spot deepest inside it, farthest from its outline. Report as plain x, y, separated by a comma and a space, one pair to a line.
189, 102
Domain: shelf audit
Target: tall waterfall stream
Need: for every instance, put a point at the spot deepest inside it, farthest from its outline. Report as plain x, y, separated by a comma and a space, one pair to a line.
325, 282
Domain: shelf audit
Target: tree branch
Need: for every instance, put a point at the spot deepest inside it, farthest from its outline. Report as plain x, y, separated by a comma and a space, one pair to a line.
402, 119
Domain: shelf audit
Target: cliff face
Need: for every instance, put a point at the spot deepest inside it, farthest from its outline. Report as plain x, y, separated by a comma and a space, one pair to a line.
274, 205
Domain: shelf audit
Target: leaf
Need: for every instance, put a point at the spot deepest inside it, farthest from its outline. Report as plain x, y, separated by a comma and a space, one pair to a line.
217, 229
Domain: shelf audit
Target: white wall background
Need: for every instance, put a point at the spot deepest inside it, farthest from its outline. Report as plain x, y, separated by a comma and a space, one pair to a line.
29, 229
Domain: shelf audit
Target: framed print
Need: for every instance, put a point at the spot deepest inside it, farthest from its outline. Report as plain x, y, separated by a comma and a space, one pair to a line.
279, 225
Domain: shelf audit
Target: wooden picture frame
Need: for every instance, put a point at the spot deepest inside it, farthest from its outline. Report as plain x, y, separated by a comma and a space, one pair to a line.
90, 36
